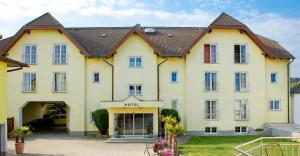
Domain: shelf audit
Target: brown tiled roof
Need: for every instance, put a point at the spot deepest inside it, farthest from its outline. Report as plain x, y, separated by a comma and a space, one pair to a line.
12, 63
166, 41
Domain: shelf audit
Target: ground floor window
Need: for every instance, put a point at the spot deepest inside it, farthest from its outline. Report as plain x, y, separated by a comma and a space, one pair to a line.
134, 123
241, 129
210, 130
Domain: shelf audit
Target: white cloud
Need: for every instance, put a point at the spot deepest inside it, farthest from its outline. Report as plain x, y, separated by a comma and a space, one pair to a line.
15, 13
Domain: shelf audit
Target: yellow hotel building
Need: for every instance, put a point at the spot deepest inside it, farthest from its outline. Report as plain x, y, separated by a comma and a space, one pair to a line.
222, 79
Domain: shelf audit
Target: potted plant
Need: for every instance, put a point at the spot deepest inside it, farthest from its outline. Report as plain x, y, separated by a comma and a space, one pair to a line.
20, 134
118, 131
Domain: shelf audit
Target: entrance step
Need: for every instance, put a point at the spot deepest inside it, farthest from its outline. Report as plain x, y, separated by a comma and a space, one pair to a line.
132, 139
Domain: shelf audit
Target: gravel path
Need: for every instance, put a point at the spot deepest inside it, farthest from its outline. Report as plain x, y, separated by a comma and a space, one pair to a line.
64, 145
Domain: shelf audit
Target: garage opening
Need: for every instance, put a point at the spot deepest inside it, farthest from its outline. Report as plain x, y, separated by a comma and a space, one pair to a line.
46, 117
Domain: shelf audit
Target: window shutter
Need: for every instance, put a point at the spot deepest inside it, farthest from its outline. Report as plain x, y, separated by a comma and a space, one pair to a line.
237, 53
206, 53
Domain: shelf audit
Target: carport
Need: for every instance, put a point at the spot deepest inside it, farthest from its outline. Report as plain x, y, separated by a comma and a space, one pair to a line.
47, 112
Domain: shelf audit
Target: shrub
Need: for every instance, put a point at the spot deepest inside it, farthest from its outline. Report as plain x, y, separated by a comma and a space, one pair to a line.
170, 112
101, 120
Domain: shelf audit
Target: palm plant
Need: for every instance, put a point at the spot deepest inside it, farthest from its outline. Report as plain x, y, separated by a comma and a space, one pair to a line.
175, 130
20, 133
168, 120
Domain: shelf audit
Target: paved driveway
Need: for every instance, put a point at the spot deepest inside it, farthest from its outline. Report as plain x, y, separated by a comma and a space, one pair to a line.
64, 145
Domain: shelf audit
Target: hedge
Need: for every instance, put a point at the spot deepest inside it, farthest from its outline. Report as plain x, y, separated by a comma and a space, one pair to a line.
101, 120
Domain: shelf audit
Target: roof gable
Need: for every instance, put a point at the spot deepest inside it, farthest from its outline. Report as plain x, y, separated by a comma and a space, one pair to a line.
44, 20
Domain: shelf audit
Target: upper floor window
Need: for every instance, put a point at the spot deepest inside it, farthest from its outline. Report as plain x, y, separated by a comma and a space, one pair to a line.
210, 53
135, 90
60, 54
274, 105
274, 78
30, 54
135, 62
241, 82
210, 81
211, 110
96, 77
174, 77
29, 82
240, 54
59, 82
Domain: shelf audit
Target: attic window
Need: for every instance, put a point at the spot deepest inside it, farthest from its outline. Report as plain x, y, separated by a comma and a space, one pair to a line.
170, 35
103, 35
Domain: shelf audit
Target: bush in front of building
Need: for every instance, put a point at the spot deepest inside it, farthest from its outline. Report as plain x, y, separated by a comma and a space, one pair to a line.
170, 112
101, 120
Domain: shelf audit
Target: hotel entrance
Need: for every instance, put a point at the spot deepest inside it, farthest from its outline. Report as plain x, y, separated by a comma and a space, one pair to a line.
134, 123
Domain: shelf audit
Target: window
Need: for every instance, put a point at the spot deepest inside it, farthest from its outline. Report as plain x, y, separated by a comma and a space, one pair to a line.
29, 55
29, 82
60, 54
210, 130
240, 54
135, 62
241, 82
274, 105
92, 117
174, 104
242, 129
96, 77
210, 110
274, 78
59, 82
173, 77
210, 81
135, 90
210, 53
241, 109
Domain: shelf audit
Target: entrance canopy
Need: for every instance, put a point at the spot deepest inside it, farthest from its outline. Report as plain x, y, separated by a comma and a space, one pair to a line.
131, 102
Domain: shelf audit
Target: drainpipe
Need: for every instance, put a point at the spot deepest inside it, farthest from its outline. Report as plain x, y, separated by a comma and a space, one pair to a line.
112, 76
288, 87
158, 97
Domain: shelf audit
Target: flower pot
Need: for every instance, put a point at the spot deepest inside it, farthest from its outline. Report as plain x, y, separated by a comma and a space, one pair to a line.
19, 148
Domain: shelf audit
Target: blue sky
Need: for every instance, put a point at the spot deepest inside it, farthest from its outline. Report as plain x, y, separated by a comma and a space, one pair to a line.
276, 19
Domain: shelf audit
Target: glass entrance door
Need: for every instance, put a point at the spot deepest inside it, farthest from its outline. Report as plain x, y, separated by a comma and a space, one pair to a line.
134, 123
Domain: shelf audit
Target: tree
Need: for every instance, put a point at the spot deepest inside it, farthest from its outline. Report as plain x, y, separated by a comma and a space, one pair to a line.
170, 112
175, 130
101, 120
168, 120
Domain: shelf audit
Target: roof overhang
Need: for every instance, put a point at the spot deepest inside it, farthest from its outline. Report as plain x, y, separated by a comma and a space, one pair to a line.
12, 63
131, 102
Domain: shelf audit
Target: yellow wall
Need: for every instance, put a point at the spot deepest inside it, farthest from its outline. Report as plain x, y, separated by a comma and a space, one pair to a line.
31, 112
75, 68
3, 93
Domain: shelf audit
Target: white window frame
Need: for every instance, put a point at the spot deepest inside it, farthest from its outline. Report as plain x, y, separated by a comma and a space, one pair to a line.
176, 103
240, 129
270, 102
135, 90
238, 111
30, 84
210, 110
93, 77
60, 54
30, 55
246, 89
246, 53
60, 89
171, 77
276, 77
210, 130
211, 82
210, 53
135, 62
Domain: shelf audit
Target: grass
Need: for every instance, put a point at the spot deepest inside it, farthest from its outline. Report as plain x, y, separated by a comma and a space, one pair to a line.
223, 145
212, 145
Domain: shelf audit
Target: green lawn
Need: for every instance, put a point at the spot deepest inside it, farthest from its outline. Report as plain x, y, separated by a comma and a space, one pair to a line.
213, 145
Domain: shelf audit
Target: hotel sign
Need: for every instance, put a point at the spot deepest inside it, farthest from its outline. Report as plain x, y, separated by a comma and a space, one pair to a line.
131, 105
